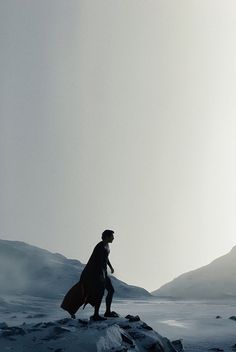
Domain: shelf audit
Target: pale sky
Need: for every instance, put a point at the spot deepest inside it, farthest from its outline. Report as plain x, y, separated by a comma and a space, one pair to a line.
120, 114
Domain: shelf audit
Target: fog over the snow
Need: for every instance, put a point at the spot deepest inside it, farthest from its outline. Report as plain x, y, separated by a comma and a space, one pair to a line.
121, 115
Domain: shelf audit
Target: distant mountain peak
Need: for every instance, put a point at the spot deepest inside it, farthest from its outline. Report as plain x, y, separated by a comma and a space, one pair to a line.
233, 250
216, 280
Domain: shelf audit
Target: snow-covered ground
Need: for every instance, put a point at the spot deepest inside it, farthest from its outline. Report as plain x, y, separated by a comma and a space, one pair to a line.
193, 321
32, 325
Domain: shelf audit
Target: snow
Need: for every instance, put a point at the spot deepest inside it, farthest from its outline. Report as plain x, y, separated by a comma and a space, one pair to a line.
192, 322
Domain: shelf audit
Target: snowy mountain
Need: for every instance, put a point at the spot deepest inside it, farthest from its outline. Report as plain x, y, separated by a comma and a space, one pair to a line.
27, 269
216, 280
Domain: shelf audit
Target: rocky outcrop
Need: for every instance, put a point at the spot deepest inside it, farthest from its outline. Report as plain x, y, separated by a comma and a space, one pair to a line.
114, 334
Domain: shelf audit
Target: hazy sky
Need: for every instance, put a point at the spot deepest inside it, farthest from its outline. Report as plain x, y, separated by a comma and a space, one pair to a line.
120, 114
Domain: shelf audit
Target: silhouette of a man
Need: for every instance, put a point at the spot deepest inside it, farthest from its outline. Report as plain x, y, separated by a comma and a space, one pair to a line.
93, 282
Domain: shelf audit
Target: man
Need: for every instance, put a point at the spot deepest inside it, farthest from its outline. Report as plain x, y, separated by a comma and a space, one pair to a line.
93, 282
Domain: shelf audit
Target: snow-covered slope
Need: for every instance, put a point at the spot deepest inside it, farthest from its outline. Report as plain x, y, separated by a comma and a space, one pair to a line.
216, 280
30, 270
114, 334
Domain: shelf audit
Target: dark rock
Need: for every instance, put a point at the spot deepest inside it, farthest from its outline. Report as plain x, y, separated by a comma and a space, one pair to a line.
234, 347
83, 322
64, 321
125, 326
132, 318
47, 324
170, 346
13, 330
137, 335
3, 325
154, 347
218, 317
233, 317
58, 330
178, 345
145, 326
33, 330
126, 339
216, 349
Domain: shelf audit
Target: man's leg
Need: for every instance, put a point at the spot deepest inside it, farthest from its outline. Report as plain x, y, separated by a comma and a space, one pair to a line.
97, 305
109, 296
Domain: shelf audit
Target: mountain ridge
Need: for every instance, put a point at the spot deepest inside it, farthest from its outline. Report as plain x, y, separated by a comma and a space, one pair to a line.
31, 270
216, 280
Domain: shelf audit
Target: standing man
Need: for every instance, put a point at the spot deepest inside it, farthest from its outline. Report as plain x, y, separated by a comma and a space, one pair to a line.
93, 282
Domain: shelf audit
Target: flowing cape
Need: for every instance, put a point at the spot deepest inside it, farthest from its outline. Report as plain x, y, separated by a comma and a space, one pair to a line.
91, 286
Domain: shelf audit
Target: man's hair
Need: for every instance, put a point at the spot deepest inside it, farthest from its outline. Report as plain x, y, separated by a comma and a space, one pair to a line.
106, 234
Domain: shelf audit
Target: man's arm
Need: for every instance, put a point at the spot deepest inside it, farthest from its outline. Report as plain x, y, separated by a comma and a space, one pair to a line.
110, 266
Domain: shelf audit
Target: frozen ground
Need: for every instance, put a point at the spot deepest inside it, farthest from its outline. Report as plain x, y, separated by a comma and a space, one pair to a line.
193, 321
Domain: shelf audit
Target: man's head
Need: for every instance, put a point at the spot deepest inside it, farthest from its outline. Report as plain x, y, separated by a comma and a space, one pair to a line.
107, 236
